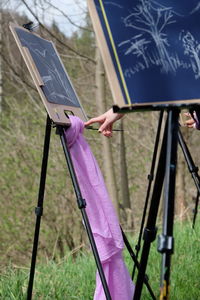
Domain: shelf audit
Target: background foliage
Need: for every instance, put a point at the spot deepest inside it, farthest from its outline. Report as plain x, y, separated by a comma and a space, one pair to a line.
22, 127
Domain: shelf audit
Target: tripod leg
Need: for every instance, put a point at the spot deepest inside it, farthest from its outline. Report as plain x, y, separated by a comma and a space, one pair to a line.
192, 169
150, 230
195, 209
39, 208
165, 243
82, 205
150, 178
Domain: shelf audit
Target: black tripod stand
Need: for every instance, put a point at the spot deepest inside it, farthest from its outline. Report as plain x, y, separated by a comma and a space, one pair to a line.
165, 171
165, 174
80, 201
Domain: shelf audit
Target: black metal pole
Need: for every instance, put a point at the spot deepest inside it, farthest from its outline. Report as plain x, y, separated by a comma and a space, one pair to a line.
166, 241
82, 205
195, 209
150, 178
151, 230
39, 208
192, 169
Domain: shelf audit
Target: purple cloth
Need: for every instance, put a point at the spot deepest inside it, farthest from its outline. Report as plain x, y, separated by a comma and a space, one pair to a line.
101, 214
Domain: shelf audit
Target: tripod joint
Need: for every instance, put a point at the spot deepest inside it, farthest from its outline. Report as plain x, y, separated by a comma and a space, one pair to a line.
195, 169
39, 211
150, 177
149, 234
81, 202
165, 244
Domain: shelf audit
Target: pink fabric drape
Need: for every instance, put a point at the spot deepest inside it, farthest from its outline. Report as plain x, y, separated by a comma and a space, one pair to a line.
101, 215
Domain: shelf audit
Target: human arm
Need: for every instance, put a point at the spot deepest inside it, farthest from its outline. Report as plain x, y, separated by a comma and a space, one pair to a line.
106, 121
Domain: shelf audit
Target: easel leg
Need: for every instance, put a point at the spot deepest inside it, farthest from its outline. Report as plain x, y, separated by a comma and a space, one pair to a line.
166, 241
150, 178
166, 169
150, 230
39, 208
82, 205
195, 209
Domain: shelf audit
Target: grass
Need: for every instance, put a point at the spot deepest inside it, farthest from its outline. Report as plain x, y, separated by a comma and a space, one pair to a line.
185, 266
75, 279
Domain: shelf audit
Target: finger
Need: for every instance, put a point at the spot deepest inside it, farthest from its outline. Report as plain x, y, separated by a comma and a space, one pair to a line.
107, 133
104, 126
190, 122
187, 114
192, 125
109, 130
107, 125
93, 120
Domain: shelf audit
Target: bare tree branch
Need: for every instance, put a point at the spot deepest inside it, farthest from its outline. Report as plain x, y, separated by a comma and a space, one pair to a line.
16, 73
68, 18
54, 36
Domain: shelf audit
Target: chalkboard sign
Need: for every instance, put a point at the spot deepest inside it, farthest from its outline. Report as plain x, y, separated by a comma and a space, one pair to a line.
49, 75
151, 49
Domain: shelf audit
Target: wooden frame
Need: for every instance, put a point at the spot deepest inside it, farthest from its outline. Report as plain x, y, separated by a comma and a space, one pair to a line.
57, 112
108, 62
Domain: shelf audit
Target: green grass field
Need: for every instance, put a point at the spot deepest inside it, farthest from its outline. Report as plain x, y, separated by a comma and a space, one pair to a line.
75, 278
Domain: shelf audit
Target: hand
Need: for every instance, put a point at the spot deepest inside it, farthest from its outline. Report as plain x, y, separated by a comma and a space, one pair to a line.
190, 123
106, 121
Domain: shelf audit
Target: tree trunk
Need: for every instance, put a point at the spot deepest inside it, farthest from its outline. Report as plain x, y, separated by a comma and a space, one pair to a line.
181, 203
106, 145
123, 170
124, 186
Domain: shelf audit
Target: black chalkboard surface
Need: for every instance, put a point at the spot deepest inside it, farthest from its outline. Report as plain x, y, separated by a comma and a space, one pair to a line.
151, 49
49, 74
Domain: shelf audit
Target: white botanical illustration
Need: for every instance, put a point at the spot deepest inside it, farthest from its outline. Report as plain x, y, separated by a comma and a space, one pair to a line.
54, 73
192, 49
136, 46
151, 19
150, 42
196, 8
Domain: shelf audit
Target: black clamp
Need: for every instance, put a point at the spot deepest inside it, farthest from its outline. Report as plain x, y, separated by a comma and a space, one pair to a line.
28, 26
150, 177
81, 202
195, 169
149, 234
39, 211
